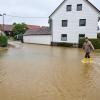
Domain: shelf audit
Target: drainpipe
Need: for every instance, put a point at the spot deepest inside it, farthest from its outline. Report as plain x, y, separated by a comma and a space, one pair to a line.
51, 28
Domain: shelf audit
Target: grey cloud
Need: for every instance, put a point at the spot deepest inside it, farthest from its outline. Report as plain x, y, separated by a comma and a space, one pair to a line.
39, 8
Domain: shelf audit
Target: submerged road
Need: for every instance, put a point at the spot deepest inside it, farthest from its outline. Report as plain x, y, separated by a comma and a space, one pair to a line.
36, 72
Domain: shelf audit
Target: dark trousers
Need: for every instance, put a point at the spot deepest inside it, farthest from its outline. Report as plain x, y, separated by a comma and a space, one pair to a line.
87, 55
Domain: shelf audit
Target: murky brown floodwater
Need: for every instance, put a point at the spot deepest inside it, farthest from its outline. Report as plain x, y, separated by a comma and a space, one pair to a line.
35, 72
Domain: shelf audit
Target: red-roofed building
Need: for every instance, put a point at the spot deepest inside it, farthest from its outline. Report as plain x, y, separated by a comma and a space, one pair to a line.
33, 27
8, 28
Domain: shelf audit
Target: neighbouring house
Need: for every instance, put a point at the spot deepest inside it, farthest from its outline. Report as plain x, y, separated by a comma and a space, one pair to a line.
7, 29
40, 36
74, 19
33, 27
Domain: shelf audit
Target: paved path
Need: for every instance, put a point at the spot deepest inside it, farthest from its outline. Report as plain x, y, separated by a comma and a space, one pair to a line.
15, 44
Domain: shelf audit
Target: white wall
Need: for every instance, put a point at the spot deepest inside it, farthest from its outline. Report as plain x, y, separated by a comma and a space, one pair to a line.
38, 39
73, 30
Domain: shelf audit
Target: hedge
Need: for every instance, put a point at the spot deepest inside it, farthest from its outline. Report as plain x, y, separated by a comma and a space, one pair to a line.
3, 41
98, 35
62, 44
95, 42
65, 44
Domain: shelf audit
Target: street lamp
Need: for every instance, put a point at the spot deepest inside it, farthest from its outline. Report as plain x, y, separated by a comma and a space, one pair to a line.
0, 25
3, 15
3, 21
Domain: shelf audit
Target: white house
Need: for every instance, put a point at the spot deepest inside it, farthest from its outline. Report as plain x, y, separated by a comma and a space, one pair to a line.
74, 19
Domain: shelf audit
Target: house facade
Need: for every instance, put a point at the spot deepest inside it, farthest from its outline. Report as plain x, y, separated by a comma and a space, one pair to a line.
7, 29
74, 19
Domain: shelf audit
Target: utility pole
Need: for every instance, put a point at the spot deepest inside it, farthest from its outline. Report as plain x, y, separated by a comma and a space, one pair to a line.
0, 25
3, 15
4, 22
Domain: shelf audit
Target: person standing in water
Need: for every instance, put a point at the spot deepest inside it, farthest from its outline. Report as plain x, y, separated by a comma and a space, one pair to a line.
87, 47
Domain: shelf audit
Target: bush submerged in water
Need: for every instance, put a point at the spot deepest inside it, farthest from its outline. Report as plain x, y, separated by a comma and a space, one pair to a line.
95, 42
3, 41
62, 44
98, 35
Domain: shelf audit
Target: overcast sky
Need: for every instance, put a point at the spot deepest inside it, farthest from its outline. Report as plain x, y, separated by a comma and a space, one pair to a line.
31, 8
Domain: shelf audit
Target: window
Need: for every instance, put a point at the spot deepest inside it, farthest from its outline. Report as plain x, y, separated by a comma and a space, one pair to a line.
81, 36
79, 7
82, 22
69, 7
64, 23
64, 37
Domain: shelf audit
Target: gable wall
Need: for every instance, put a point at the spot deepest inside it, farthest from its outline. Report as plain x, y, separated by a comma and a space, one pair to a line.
73, 17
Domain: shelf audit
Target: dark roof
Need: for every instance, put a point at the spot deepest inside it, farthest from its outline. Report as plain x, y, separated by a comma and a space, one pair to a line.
42, 31
85, 0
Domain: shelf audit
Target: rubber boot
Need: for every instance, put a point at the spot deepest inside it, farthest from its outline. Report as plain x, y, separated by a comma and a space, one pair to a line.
91, 60
84, 60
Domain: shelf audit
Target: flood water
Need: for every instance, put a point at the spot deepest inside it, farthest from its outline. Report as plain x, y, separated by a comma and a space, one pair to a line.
36, 72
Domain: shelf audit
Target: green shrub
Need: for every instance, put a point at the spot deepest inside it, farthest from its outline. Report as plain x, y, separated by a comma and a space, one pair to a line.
81, 41
3, 41
65, 44
98, 35
95, 42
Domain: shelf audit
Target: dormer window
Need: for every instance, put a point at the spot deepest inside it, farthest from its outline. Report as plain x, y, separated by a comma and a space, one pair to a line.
79, 7
69, 8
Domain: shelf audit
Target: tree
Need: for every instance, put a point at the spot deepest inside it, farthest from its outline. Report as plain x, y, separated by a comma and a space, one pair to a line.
19, 29
3, 41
